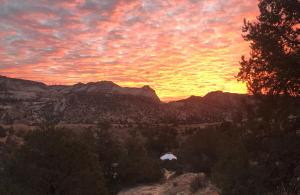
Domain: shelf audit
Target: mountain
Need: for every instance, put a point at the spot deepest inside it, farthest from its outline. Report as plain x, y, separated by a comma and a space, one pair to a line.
30, 102
11, 88
25, 89
214, 106
23, 101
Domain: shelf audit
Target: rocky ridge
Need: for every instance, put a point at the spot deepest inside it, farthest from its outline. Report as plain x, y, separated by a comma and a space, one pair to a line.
30, 102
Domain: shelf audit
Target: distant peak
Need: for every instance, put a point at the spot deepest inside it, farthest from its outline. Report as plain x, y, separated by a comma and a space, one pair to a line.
214, 93
147, 87
79, 84
103, 84
194, 97
106, 82
14, 82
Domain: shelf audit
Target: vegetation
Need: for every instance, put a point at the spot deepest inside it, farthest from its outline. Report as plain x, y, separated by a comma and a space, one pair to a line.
261, 156
3, 132
199, 182
198, 151
52, 161
253, 164
138, 166
273, 65
58, 161
160, 140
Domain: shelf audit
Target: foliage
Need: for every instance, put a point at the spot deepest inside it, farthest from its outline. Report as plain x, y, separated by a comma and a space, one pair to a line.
199, 182
160, 140
57, 161
110, 154
52, 161
261, 156
138, 166
230, 173
273, 66
252, 162
198, 152
3, 132
104, 125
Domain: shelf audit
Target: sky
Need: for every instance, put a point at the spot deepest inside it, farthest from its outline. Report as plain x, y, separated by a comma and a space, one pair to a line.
178, 47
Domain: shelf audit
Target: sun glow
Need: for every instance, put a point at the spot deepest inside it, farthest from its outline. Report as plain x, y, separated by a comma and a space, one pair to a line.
179, 48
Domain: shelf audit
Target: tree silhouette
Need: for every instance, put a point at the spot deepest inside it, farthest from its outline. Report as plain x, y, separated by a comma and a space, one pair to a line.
273, 66
261, 155
54, 162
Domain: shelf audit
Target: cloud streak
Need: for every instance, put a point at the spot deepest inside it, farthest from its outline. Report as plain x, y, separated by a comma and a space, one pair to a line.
179, 47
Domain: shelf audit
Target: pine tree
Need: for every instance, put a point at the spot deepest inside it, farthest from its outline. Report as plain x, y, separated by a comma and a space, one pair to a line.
273, 66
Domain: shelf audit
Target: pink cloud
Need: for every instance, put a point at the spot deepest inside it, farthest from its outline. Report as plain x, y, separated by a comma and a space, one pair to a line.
174, 46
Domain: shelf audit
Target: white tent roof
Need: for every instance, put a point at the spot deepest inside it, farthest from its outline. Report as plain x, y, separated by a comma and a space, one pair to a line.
168, 156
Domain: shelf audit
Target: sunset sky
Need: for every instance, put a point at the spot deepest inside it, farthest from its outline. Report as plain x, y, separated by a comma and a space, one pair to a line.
178, 47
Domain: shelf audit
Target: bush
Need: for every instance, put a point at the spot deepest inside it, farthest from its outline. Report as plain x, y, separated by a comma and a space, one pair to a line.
160, 140
52, 161
199, 151
21, 133
137, 166
199, 182
251, 164
3, 132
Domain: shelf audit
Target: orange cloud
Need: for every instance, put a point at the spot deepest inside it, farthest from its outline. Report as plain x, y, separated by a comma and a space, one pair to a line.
180, 48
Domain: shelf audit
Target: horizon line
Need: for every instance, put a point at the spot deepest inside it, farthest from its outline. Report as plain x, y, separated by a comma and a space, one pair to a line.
166, 99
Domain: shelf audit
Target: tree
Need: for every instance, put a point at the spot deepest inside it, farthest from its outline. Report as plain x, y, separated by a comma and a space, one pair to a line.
198, 151
273, 66
110, 154
272, 73
249, 163
54, 162
159, 140
137, 166
3, 132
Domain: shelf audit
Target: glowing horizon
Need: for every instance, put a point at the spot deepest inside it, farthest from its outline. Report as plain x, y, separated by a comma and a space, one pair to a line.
179, 48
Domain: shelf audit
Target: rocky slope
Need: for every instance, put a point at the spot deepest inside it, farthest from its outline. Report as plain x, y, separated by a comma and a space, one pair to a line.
23, 101
30, 102
214, 106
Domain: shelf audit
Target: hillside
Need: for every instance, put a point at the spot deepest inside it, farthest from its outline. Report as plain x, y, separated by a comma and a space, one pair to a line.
30, 102
23, 101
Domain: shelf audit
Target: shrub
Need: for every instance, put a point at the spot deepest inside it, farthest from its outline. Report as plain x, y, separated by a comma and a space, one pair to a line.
137, 166
198, 152
199, 182
53, 161
160, 140
3, 132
